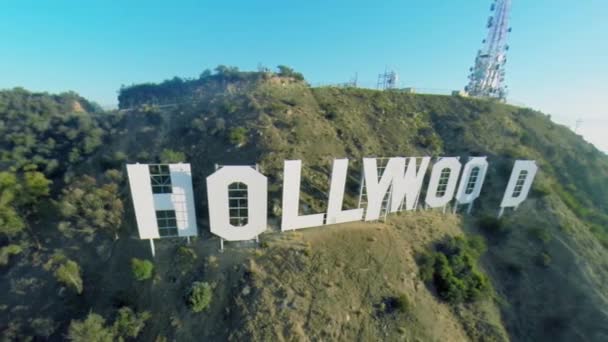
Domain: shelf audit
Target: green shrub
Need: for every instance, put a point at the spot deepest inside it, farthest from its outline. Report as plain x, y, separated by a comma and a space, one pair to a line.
199, 296
128, 323
170, 156
544, 259
452, 270
402, 303
43, 327
219, 126
428, 138
92, 329
199, 125
513, 268
113, 175
541, 234
7, 251
238, 135
492, 225
142, 269
69, 274
185, 257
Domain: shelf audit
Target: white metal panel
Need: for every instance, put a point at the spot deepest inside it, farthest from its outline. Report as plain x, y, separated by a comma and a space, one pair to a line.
376, 189
407, 189
143, 200
163, 201
145, 203
291, 218
508, 199
182, 199
335, 214
219, 212
461, 196
451, 163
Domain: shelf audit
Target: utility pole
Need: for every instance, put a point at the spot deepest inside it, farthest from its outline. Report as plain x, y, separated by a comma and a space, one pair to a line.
578, 124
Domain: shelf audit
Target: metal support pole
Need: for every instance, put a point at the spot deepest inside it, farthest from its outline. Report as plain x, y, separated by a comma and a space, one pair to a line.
221, 245
470, 208
502, 210
152, 248
361, 186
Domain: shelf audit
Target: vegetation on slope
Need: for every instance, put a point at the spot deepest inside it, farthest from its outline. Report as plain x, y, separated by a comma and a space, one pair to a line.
62, 203
453, 270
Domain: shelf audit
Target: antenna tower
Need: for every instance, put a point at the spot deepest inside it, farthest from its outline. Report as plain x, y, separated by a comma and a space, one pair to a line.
488, 75
388, 80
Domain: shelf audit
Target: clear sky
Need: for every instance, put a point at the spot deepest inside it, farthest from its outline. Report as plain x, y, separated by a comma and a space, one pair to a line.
558, 60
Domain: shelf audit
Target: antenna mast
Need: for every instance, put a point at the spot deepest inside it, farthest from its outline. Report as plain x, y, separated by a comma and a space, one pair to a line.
388, 80
488, 75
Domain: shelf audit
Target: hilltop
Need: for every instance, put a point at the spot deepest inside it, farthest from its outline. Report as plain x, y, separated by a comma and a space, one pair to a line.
546, 264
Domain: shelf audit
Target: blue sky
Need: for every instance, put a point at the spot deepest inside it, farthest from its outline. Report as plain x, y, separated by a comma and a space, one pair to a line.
558, 60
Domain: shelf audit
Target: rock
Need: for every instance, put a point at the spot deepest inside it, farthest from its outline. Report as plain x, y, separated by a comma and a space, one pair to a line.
246, 290
276, 209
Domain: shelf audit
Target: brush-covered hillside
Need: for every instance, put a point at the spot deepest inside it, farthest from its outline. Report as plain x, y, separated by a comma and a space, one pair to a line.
73, 268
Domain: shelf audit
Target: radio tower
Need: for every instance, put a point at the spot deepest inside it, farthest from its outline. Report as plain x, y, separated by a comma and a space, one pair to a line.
488, 75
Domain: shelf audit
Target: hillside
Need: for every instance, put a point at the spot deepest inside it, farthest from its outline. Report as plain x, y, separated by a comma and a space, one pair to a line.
64, 201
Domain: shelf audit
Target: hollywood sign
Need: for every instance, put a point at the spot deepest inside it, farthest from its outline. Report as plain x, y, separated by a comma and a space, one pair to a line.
163, 197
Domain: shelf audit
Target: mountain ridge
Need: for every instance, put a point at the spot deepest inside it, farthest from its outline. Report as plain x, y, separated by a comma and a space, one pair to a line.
229, 117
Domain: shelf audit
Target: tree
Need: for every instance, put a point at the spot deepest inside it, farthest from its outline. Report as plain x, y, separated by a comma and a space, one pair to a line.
205, 74
36, 186
69, 274
8, 185
200, 295
42, 129
226, 71
88, 207
285, 71
238, 136
128, 323
11, 223
92, 329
